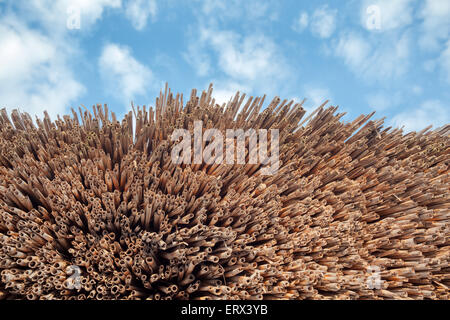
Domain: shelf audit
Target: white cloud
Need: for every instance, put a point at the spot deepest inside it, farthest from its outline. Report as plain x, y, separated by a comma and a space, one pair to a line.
392, 14
210, 6
138, 12
353, 49
227, 90
258, 9
301, 23
250, 10
253, 61
198, 58
323, 22
53, 14
125, 76
17, 42
382, 59
383, 100
34, 75
315, 96
441, 64
91, 10
247, 59
37, 50
430, 112
252, 57
379, 101
436, 26
444, 60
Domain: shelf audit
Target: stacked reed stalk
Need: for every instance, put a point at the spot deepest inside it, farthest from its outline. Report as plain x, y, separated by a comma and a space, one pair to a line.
349, 198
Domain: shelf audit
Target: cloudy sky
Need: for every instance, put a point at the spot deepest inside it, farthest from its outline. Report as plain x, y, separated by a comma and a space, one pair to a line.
365, 55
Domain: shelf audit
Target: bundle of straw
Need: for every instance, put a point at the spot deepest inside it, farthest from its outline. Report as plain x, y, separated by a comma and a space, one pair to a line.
94, 208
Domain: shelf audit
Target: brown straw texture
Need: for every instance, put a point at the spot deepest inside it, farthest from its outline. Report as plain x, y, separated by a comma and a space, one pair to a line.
349, 197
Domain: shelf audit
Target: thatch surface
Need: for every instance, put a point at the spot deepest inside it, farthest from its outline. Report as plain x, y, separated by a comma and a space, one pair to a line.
348, 198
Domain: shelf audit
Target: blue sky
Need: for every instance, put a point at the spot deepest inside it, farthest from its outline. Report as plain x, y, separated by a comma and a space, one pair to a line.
383, 55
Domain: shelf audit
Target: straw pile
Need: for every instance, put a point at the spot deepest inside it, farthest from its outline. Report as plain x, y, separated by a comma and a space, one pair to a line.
348, 199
